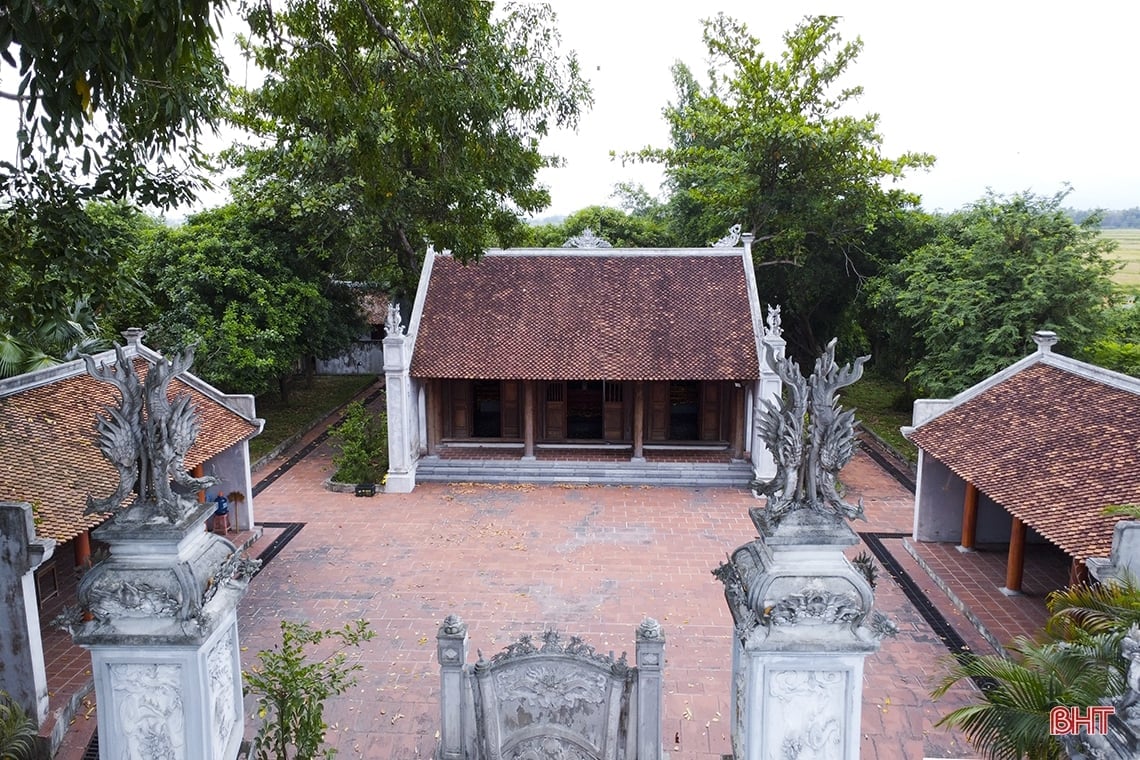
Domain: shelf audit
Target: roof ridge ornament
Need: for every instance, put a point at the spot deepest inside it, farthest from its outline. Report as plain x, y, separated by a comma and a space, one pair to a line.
588, 239
731, 240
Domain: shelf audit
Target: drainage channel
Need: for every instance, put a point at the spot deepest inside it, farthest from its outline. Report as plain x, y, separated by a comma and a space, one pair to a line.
942, 628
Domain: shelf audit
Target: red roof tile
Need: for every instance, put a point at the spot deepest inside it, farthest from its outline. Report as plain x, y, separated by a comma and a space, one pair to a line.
49, 457
1052, 447
588, 316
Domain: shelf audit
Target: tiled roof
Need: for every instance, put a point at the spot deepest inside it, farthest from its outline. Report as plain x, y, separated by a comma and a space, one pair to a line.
1050, 446
48, 455
588, 316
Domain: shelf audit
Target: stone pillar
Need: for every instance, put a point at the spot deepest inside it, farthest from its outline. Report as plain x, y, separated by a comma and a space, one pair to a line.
22, 671
451, 649
164, 639
768, 388
401, 407
650, 656
803, 626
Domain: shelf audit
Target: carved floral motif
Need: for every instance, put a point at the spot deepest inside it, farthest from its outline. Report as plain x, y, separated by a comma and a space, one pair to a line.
221, 669
809, 704
121, 598
814, 606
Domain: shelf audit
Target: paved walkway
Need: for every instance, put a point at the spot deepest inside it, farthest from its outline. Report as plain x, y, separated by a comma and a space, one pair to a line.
515, 559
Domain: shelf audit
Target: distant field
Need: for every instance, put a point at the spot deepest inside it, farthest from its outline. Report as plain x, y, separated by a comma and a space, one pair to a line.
1128, 251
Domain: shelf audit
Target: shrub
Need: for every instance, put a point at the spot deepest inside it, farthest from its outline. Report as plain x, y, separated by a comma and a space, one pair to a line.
291, 689
362, 442
17, 731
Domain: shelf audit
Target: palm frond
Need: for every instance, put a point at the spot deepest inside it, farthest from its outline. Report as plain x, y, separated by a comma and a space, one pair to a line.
1096, 608
17, 731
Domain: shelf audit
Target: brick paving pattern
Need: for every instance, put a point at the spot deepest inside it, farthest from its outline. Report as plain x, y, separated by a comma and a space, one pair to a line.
588, 560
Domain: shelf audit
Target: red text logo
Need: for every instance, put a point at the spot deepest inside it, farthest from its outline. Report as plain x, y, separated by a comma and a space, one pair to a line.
1064, 720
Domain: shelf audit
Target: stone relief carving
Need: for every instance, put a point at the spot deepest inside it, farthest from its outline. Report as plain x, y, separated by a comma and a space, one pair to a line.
111, 597
146, 439
237, 570
551, 687
588, 239
221, 671
772, 326
549, 748
814, 606
731, 240
149, 714
552, 644
811, 438
394, 324
806, 702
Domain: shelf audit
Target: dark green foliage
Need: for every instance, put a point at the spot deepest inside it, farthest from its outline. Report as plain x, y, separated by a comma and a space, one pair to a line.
362, 443
998, 271
253, 297
1080, 663
773, 144
388, 125
620, 228
291, 685
1118, 348
17, 731
109, 92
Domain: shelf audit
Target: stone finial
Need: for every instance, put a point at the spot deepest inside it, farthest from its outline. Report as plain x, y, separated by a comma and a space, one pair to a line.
772, 327
146, 439
731, 240
650, 629
588, 239
133, 336
453, 625
394, 324
1045, 340
811, 438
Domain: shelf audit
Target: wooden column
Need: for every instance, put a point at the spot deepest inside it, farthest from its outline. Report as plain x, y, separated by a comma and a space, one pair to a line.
1078, 573
736, 420
82, 550
434, 412
1015, 566
528, 419
639, 420
970, 517
197, 472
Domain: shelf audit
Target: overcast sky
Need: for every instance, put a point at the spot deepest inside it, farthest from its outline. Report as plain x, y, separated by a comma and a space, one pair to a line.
1006, 94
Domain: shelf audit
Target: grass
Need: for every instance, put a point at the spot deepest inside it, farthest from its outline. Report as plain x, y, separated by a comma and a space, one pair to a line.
306, 406
1128, 252
882, 406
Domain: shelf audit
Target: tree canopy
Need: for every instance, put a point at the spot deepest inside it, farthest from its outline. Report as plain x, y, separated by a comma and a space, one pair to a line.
771, 143
389, 125
998, 271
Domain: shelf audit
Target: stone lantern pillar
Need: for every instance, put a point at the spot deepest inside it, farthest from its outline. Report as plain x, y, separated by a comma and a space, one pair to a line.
163, 606
803, 617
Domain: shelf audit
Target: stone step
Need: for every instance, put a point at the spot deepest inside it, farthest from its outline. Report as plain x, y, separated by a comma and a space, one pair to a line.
719, 475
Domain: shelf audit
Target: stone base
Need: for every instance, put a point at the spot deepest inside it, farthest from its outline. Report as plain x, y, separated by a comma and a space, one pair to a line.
170, 701
400, 482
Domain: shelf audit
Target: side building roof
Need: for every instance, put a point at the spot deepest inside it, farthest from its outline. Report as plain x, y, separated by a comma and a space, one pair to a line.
1051, 439
49, 457
597, 314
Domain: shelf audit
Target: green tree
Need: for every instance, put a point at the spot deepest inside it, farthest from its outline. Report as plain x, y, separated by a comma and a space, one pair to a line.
60, 277
252, 302
999, 270
361, 441
111, 99
1118, 348
772, 144
621, 229
391, 126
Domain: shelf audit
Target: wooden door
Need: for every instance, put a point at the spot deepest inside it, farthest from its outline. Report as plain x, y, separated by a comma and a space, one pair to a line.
460, 408
710, 411
510, 407
658, 411
555, 412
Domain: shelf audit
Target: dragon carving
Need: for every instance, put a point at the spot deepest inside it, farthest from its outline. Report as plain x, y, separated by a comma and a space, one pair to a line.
146, 439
